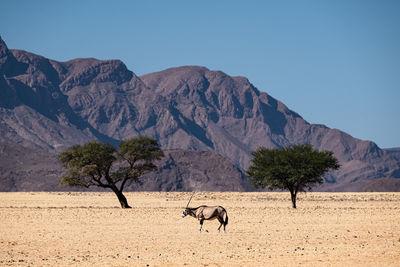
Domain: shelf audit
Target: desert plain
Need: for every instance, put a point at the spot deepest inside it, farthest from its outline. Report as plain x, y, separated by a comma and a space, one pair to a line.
90, 229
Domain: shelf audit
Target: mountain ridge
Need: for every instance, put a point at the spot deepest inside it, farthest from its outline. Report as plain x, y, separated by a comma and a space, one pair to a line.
51, 105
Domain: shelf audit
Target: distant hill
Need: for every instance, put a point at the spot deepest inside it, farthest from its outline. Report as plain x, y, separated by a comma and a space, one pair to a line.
182, 170
382, 185
26, 169
49, 106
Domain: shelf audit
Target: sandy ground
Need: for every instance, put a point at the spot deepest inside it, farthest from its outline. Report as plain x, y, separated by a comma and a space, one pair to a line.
86, 229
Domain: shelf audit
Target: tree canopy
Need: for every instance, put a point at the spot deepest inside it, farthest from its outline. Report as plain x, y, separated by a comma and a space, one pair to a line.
102, 165
294, 168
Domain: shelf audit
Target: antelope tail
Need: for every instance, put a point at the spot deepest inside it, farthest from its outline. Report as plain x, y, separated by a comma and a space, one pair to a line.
226, 218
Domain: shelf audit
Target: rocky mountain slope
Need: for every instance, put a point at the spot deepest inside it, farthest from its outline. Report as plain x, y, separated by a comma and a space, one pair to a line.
50, 105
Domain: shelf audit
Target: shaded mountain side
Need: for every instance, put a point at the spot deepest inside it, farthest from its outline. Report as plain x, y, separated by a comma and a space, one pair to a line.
381, 185
50, 105
27, 169
34, 111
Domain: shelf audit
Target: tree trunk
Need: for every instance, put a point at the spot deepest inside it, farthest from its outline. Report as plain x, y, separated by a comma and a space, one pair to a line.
122, 200
293, 196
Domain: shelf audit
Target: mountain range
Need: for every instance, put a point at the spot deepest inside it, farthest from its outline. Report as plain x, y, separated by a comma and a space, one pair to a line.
47, 106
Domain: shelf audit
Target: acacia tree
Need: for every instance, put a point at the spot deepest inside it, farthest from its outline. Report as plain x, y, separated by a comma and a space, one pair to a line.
294, 168
102, 165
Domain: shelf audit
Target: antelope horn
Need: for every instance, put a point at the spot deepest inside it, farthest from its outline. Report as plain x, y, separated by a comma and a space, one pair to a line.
190, 199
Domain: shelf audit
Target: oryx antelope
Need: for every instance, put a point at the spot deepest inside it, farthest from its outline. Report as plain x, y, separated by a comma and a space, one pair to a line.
204, 212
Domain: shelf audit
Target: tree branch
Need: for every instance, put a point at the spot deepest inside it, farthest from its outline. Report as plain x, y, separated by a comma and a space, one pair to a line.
100, 184
124, 182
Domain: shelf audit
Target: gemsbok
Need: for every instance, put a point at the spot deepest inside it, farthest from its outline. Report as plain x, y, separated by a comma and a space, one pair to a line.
204, 212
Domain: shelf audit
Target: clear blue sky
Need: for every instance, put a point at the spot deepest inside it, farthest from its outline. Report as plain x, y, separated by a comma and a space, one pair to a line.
334, 62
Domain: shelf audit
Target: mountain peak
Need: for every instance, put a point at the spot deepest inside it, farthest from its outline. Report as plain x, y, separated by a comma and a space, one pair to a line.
177, 72
185, 69
4, 52
83, 71
3, 45
9, 66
